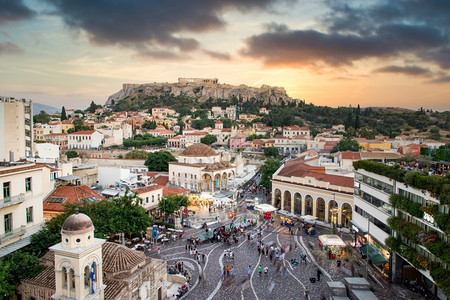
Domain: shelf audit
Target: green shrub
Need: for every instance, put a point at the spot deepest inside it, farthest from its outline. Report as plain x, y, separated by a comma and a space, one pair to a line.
413, 208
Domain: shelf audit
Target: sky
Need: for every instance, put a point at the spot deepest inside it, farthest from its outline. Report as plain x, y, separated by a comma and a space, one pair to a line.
334, 53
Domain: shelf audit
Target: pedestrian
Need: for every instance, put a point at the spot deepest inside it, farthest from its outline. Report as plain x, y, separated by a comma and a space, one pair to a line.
260, 270
338, 263
222, 273
203, 257
266, 270
249, 271
159, 251
306, 294
319, 272
228, 271
232, 272
329, 254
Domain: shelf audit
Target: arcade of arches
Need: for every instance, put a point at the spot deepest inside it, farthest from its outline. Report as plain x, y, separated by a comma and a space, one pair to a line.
329, 208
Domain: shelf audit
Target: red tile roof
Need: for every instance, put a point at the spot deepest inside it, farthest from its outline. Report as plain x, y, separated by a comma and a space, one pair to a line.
296, 168
83, 132
173, 191
351, 155
146, 189
161, 180
68, 194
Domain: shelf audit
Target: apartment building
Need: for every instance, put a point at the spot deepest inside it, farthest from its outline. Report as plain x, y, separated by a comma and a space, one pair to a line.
84, 140
24, 186
391, 218
293, 131
59, 139
16, 129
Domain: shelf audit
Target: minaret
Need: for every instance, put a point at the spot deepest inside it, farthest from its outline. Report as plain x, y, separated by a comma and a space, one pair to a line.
78, 261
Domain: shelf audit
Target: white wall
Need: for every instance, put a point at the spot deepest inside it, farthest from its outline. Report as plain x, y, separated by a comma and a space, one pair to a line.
110, 175
47, 150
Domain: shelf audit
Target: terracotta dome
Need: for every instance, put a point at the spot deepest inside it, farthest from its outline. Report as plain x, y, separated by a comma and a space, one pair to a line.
199, 150
118, 258
77, 224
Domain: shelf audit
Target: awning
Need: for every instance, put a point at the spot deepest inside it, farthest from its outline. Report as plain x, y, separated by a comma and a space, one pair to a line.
374, 255
359, 230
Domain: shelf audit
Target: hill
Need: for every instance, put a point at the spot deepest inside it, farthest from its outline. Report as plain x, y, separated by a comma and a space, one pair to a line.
37, 107
202, 89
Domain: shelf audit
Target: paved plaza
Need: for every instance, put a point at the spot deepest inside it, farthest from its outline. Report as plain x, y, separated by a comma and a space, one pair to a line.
281, 282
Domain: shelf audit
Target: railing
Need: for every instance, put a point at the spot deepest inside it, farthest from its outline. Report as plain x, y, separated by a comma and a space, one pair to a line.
13, 234
12, 200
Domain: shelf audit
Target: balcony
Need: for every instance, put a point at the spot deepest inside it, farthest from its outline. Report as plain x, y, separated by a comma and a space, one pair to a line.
12, 200
13, 234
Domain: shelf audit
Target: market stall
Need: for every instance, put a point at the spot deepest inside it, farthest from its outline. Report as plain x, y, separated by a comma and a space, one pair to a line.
287, 222
333, 244
309, 224
265, 209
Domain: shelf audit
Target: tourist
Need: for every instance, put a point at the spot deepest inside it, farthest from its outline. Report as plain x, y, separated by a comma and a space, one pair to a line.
306, 294
266, 271
249, 271
228, 271
260, 270
319, 272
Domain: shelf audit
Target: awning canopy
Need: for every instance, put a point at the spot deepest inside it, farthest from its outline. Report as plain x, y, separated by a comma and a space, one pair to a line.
331, 240
265, 208
374, 255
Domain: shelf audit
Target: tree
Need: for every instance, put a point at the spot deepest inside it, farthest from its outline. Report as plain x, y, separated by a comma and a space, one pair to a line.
435, 134
346, 144
158, 161
272, 152
149, 124
208, 139
71, 154
92, 107
63, 114
79, 125
137, 154
42, 117
270, 166
172, 203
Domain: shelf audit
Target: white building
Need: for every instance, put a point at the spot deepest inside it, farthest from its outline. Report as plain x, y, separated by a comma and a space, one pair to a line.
200, 168
112, 136
293, 131
46, 151
16, 129
24, 186
150, 195
290, 145
84, 140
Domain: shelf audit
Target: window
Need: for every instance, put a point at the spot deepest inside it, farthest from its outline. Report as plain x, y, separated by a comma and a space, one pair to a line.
6, 190
30, 214
8, 222
146, 199
159, 197
28, 184
153, 198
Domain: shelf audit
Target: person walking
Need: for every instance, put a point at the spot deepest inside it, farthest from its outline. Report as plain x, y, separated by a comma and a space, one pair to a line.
260, 270
319, 272
249, 271
159, 251
228, 271
306, 294
266, 271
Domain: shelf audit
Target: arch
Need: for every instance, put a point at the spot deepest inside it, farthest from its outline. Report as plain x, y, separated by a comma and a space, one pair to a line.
333, 212
297, 203
87, 277
320, 209
277, 196
308, 205
287, 201
217, 179
347, 214
72, 279
64, 279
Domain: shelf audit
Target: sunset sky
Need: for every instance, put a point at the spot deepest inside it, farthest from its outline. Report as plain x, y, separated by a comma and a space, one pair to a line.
372, 53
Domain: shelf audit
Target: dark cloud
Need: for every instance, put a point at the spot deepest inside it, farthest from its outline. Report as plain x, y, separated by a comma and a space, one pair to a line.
151, 22
218, 55
160, 55
346, 33
408, 70
14, 10
10, 48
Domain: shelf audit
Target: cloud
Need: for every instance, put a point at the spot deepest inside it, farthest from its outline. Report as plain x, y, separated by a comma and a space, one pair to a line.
442, 79
408, 70
150, 23
14, 10
345, 34
218, 55
10, 48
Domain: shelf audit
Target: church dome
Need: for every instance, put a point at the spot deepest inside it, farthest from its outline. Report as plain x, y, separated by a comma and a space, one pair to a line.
77, 224
199, 150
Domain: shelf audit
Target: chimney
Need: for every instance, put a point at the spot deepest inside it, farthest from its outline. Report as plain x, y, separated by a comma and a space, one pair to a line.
11, 156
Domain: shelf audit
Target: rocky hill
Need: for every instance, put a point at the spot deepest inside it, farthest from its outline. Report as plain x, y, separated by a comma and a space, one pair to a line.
203, 88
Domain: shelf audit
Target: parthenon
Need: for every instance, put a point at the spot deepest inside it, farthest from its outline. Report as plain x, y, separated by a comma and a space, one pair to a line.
199, 80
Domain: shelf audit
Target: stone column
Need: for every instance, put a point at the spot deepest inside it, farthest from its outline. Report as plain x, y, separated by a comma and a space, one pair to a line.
314, 209
326, 213
339, 220
292, 204
273, 198
282, 201
303, 207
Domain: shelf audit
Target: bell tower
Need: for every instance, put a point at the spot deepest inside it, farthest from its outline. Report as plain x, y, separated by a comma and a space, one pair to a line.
78, 261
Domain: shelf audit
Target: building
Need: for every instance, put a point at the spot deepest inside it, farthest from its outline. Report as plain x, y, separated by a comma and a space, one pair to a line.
194, 137
84, 267
200, 168
54, 204
150, 195
290, 145
59, 139
24, 187
178, 141
84, 140
239, 141
307, 190
366, 144
49, 153
162, 112
397, 220
161, 131
16, 129
293, 131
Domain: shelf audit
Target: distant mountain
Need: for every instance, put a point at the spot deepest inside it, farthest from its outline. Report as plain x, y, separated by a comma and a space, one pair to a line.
37, 107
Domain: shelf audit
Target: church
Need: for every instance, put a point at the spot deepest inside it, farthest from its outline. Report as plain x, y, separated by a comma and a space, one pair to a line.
84, 267
201, 169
